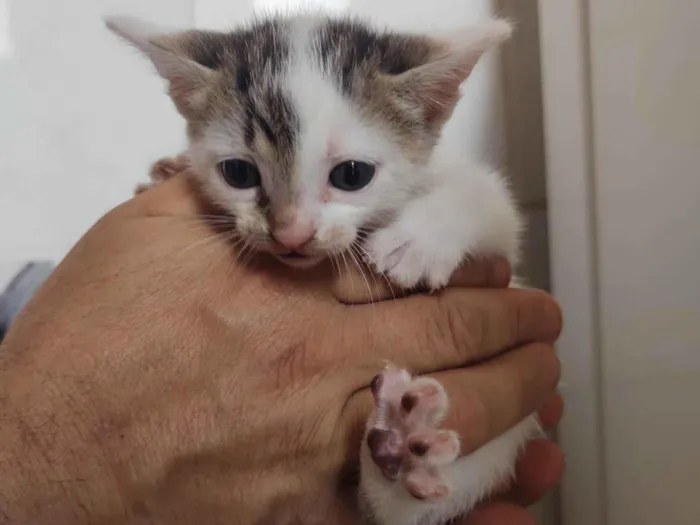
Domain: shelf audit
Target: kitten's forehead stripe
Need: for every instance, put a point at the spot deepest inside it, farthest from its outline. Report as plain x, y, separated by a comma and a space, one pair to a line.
347, 48
260, 44
254, 91
361, 59
253, 62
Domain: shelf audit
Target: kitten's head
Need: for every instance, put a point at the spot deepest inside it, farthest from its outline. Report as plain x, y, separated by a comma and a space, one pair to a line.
307, 129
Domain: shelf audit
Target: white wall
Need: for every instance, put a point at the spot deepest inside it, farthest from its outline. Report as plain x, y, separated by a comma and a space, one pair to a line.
81, 118
622, 95
646, 110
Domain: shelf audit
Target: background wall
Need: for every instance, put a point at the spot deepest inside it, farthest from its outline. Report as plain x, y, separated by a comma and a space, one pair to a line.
81, 119
646, 112
622, 85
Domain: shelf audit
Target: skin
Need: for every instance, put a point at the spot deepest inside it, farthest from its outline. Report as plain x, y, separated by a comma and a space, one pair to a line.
156, 379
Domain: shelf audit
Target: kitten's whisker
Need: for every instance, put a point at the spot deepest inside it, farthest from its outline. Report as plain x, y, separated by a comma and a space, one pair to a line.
204, 219
361, 255
360, 261
382, 274
247, 254
334, 261
209, 239
235, 263
347, 267
362, 274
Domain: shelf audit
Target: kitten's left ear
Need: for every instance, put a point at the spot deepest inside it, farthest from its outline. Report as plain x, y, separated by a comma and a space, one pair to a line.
435, 83
173, 55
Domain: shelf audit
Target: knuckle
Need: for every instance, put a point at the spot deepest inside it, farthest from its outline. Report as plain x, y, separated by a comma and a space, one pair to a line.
297, 360
459, 329
534, 316
557, 316
549, 314
472, 420
545, 368
551, 366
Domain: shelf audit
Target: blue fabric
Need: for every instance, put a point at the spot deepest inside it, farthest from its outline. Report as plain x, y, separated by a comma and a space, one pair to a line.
20, 291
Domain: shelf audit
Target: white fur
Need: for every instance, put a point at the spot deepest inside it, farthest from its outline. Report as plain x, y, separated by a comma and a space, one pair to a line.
471, 479
467, 212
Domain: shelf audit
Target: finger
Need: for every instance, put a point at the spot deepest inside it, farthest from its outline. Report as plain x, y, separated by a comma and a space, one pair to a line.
551, 412
490, 398
482, 273
485, 400
356, 283
538, 471
500, 513
459, 326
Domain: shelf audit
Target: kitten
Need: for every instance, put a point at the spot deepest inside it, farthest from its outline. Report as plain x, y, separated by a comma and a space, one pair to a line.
322, 135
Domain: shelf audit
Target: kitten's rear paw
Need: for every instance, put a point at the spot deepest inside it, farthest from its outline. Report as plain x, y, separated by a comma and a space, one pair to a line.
404, 441
411, 258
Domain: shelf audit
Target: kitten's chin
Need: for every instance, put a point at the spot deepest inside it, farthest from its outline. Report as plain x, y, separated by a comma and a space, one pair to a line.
296, 260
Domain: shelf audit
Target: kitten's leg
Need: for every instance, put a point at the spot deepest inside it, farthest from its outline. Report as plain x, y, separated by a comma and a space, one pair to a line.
411, 472
464, 214
403, 440
163, 170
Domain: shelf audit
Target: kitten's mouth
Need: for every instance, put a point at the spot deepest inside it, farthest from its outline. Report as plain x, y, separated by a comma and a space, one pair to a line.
293, 255
299, 260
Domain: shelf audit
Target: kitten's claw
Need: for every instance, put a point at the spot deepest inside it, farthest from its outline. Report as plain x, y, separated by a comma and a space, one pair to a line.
411, 259
403, 439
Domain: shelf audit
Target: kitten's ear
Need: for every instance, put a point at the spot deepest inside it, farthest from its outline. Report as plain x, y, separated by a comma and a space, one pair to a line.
435, 84
172, 54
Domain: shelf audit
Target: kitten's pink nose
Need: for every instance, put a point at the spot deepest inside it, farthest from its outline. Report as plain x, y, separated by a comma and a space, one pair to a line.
295, 234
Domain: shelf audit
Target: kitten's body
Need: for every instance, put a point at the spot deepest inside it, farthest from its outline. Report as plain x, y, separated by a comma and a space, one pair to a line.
342, 125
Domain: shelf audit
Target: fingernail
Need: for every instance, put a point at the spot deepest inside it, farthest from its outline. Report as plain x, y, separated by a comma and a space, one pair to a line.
501, 272
376, 384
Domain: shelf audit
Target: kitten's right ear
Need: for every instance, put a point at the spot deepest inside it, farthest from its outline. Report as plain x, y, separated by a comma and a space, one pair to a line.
172, 55
435, 84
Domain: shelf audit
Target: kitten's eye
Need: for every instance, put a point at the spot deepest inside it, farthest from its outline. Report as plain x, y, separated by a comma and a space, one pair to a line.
351, 175
239, 174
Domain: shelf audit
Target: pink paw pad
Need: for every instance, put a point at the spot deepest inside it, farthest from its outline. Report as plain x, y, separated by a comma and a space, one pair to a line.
403, 439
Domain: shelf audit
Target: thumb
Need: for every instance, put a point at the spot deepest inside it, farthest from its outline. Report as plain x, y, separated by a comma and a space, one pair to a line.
449, 329
357, 283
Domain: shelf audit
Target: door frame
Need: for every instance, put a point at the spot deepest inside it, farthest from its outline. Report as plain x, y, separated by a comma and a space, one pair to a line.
568, 129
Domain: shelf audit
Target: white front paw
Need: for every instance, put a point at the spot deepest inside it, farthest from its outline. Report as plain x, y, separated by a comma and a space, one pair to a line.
411, 257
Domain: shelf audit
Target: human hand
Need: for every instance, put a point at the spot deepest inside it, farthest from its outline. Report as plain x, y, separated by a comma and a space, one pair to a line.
155, 378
